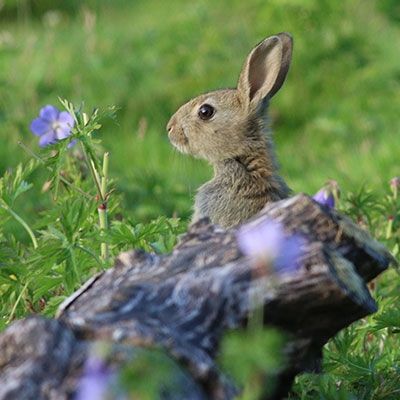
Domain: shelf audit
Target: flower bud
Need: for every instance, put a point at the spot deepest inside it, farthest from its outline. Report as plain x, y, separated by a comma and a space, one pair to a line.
395, 185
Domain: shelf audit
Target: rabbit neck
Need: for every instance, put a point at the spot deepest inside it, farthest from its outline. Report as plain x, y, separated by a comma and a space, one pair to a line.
255, 172
240, 188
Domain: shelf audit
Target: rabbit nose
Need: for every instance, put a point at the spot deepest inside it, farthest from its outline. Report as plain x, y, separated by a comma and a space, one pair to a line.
171, 125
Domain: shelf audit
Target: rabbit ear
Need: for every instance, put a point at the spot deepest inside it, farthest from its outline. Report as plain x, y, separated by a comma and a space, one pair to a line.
265, 69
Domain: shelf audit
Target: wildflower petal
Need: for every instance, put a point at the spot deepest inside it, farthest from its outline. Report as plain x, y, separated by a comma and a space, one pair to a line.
62, 132
49, 113
52, 126
268, 243
39, 126
94, 381
262, 240
325, 197
66, 118
72, 143
93, 388
288, 259
65, 122
48, 138
395, 183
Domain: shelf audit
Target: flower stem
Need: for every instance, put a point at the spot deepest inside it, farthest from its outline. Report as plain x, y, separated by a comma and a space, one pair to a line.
22, 222
94, 173
101, 185
102, 209
104, 179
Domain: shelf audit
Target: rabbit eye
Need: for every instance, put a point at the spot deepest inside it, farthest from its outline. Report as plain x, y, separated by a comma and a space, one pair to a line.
206, 111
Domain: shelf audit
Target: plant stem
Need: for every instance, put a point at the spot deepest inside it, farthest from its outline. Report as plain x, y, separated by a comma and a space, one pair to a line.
104, 178
17, 302
102, 209
94, 173
22, 222
389, 227
101, 185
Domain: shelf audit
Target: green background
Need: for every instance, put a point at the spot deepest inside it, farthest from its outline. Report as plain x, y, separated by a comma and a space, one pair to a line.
337, 116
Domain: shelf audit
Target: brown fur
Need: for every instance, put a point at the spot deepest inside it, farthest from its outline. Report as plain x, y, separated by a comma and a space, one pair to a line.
236, 140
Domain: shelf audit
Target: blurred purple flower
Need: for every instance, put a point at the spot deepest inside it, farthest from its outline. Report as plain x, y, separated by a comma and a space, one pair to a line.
325, 197
268, 243
395, 182
52, 125
395, 185
95, 380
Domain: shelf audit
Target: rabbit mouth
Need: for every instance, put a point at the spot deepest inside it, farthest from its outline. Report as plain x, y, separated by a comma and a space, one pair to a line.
182, 147
179, 140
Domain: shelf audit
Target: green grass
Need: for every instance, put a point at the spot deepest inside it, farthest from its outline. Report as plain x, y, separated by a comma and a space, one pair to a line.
336, 117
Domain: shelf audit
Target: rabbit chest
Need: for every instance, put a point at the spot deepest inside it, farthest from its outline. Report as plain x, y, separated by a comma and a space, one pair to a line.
232, 197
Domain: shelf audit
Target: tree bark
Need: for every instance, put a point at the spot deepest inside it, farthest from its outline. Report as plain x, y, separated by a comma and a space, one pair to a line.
185, 301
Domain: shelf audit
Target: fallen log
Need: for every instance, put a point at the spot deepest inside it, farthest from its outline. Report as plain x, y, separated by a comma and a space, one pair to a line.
184, 303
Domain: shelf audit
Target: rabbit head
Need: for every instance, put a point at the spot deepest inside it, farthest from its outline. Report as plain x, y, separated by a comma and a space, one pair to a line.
226, 123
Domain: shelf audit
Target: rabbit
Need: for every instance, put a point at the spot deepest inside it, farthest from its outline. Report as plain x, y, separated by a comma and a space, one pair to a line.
229, 129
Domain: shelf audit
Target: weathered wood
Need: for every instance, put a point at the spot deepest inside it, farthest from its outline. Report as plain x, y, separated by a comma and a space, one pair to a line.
42, 359
185, 301
302, 214
39, 359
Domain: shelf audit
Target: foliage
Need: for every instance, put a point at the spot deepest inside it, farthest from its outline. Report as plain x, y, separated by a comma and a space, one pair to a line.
362, 361
337, 117
67, 237
253, 366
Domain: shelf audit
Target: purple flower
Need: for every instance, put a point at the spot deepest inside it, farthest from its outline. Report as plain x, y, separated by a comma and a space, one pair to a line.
395, 182
267, 243
52, 125
325, 197
95, 380
395, 185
